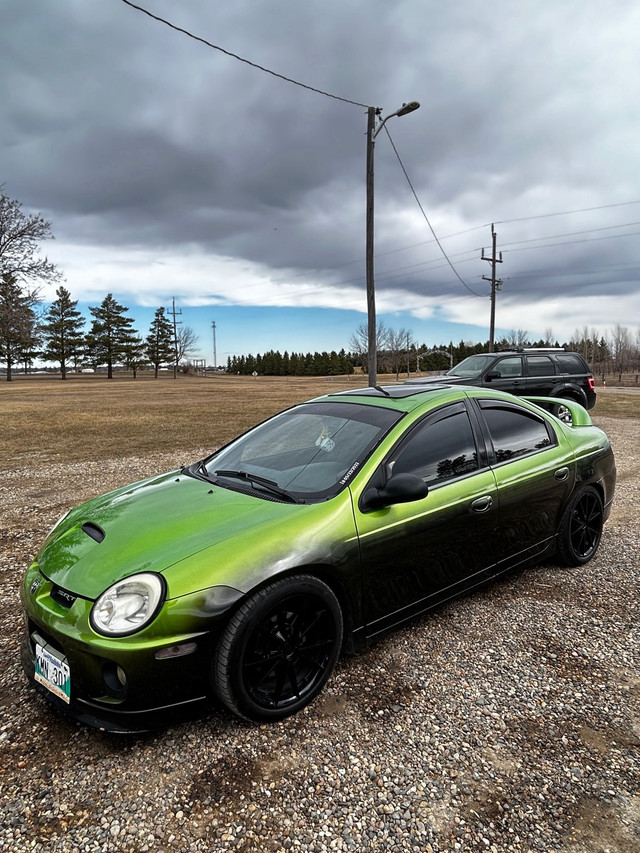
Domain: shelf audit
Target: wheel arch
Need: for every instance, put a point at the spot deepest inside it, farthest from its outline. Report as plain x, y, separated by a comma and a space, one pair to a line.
324, 573
569, 392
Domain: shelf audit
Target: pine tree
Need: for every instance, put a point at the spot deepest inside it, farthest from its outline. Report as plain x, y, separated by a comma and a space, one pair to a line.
159, 344
62, 331
109, 334
134, 353
17, 322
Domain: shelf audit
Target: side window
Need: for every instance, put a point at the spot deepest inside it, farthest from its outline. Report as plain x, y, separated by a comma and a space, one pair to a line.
515, 432
439, 450
570, 363
540, 365
508, 367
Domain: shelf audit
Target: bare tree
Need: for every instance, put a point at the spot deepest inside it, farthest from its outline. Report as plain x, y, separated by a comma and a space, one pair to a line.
20, 236
622, 348
516, 338
186, 343
398, 343
359, 341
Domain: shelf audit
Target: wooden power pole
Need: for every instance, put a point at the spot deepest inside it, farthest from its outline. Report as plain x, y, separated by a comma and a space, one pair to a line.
496, 284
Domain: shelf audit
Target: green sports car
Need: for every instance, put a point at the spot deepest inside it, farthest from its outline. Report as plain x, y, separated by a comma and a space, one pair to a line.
240, 578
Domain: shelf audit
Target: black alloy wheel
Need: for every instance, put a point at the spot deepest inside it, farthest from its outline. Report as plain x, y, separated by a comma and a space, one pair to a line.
580, 530
279, 649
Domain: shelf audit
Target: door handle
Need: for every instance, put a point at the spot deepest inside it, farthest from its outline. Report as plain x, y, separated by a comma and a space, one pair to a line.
561, 474
482, 504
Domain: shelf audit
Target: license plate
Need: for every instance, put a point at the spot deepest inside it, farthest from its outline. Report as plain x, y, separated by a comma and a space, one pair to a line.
53, 672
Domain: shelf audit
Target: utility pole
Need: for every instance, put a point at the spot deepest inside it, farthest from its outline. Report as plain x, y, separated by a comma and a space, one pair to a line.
372, 333
215, 357
372, 337
173, 313
496, 284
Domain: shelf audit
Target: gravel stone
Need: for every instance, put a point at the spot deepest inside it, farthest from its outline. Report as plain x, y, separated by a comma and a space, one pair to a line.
506, 721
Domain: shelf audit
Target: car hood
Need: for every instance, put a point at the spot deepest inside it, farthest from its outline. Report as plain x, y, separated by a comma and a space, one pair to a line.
150, 526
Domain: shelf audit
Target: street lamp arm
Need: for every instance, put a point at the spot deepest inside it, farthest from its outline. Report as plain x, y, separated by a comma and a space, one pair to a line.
403, 111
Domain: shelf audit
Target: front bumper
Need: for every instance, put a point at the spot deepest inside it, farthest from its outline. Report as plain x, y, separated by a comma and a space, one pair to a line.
129, 684
108, 713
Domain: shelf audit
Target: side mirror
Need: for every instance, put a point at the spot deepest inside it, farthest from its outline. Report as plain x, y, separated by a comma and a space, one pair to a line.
399, 489
495, 374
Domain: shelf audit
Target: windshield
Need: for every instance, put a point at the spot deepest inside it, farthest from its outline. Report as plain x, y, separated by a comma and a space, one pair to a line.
471, 367
309, 452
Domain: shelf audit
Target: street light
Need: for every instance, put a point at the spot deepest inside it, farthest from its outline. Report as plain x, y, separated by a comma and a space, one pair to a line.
372, 132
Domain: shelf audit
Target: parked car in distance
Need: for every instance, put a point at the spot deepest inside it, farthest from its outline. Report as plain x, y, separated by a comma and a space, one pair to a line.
240, 578
550, 372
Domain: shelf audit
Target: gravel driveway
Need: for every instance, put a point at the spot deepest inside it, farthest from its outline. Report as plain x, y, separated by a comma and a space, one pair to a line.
506, 721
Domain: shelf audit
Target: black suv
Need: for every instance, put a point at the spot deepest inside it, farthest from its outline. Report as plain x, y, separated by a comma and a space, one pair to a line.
534, 372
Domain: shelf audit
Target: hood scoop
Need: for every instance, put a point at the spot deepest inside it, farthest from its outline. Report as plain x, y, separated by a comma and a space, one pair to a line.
92, 530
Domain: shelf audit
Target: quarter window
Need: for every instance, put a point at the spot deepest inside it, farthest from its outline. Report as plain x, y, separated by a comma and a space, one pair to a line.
571, 363
515, 432
439, 450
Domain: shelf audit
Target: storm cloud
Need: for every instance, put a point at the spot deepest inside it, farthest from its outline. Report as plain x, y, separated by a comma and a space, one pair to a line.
167, 167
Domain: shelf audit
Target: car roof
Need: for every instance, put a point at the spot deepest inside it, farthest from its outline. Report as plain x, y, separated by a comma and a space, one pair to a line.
406, 398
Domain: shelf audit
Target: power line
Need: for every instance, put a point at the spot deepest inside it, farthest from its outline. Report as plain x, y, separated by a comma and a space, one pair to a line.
576, 233
426, 218
566, 212
574, 242
240, 58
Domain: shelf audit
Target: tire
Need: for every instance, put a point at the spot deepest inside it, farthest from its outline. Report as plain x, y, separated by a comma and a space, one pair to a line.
580, 530
278, 649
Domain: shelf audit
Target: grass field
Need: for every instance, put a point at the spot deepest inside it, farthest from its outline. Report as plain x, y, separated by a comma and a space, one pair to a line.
90, 417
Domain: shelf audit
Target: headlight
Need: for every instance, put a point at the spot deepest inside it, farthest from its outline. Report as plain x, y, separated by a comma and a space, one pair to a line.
128, 605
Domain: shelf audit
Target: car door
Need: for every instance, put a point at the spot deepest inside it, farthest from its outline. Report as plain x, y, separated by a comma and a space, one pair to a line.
541, 375
535, 473
417, 554
506, 374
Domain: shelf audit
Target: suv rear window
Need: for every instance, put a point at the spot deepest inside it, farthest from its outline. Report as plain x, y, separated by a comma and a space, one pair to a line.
572, 363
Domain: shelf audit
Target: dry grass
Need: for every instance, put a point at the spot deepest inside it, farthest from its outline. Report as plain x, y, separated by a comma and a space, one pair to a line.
90, 417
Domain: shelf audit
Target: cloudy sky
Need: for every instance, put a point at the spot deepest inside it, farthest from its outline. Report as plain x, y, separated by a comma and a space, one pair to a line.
171, 169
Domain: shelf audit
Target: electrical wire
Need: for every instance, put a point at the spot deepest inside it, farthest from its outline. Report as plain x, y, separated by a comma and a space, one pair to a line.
576, 234
240, 58
426, 218
564, 212
574, 242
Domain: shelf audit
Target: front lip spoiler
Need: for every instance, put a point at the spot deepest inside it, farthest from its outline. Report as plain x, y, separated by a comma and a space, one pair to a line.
125, 722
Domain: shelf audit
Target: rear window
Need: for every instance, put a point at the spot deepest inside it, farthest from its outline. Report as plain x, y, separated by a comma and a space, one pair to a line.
572, 363
540, 365
515, 432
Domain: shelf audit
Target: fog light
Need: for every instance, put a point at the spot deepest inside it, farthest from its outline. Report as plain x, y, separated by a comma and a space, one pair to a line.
115, 680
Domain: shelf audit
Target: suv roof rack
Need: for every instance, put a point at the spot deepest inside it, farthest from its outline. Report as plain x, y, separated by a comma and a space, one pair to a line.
532, 349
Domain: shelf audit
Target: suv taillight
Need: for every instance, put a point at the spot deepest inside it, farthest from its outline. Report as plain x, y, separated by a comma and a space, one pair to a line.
592, 383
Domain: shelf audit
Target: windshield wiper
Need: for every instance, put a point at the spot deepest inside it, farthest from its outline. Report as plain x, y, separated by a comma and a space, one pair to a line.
268, 485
